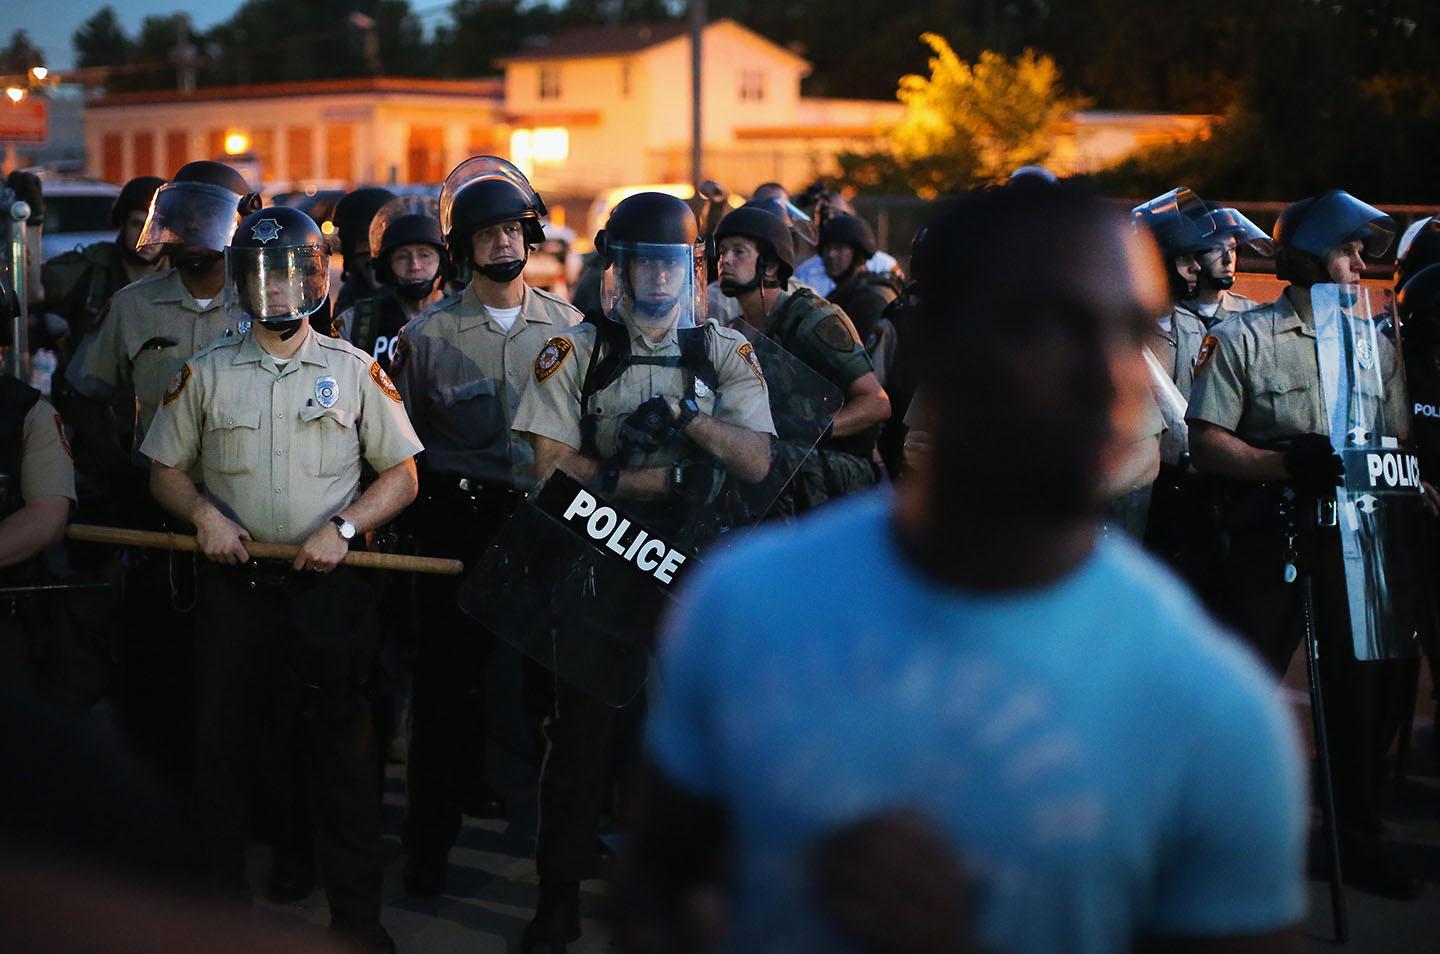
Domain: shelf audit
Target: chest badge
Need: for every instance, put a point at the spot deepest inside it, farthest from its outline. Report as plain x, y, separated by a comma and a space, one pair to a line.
327, 391
1364, 353
701, 389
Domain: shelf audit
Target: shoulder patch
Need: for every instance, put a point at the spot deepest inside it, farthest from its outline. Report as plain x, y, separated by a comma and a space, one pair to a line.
400, 356
378, 375
64, 441
831, 331
551, 357
177, 385
1207, 350
747, 354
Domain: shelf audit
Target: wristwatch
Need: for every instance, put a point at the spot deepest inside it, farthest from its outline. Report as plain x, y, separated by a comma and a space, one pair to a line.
688, 409
346, 528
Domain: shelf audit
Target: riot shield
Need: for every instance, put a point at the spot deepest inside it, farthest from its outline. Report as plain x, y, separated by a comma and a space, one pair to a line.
579, 578
1175, 441
1380, 508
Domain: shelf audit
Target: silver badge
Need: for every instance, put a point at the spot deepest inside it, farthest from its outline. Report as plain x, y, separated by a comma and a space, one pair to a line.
1364, 353
327, 391
266, 231
701, 388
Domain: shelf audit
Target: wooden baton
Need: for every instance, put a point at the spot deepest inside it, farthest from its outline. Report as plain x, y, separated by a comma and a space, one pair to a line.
184, 543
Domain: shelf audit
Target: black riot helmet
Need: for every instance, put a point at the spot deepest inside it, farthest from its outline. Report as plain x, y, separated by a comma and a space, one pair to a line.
198, 207
845, 229
1307, 230
1418, 303
134, 196
277, 268
409, 230
1418, 248
655, 262
1174, 220
771, 235
483, 191
353, 213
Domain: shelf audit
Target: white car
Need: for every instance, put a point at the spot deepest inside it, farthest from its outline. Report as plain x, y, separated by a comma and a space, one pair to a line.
77, 212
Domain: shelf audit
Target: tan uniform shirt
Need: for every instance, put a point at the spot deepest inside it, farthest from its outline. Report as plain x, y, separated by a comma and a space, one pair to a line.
463, 376
1178, 348
46, 466
551, 407
279, 449
1231, 305
1259, 375
142, 337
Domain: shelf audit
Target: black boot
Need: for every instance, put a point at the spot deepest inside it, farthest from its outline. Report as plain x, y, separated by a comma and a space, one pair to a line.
556, 921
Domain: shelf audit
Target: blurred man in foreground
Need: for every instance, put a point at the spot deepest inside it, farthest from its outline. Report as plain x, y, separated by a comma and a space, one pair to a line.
1111, 770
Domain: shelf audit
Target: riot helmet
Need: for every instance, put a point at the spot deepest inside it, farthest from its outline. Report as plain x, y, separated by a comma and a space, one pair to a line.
804, 234
134, 196
1225, 229
1173, 221
353, 213
1418, 303
1310, 229
654, 262
198, 209
844, 228
773, 241
1418, 247
1032, 175
277, 269
485, 191
1225, 222
409, 230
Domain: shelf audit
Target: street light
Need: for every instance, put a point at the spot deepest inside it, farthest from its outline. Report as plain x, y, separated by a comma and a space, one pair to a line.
39, 72
236, 143
16, 93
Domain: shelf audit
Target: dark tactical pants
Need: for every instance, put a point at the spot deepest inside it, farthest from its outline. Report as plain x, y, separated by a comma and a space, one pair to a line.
282, 663
574, 780
446, 759
824, 474
1364, 701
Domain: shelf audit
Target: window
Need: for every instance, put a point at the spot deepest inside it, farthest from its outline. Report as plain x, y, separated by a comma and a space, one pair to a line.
300, 152
426, 154
549, 82
339, 151
143, 163
548, 144
112, 157
752, 85
177, 150
215, 144
262, 142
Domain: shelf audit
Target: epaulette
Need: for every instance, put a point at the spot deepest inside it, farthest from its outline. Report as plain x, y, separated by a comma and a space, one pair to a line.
224, 341
551, 296
344, 347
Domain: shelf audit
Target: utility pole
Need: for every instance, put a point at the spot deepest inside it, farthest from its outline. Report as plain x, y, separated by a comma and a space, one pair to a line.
183, 56
697, 147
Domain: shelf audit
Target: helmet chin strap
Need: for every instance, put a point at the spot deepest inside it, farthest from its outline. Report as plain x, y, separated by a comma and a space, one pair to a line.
504, 272
286, 329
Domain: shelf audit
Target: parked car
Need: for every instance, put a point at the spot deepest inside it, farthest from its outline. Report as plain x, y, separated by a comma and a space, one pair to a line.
77, 212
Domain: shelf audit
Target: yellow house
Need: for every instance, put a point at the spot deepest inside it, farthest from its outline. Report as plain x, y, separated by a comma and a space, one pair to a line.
329, 133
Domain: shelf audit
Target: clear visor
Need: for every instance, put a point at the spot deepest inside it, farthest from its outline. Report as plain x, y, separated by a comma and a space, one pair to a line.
1181, 200
1232, 223
1413, 230
655, 285
394, 209
191, 213
277, 284
479, 168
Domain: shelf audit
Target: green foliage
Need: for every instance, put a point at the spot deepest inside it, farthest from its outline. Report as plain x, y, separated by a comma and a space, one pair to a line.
101, 41
20, 54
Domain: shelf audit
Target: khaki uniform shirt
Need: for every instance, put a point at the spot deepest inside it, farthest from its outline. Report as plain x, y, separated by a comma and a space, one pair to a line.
1259, 376
279, 449
1178, 348
1231, 305
551, 407
142, 337
47, 468
463, 376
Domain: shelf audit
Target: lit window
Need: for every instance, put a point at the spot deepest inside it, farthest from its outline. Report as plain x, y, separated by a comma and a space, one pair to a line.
549, 82
551, 144
752, 85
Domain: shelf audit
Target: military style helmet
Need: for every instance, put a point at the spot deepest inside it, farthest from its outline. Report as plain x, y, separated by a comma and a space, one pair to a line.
1419, 247
420, 214
277, 268
198, 207
1307, 230
485, 191
353, 213
655, 261
134, 196
769, 233
845, 229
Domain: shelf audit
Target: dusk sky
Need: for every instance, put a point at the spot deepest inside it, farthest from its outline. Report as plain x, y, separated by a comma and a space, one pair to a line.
51, 22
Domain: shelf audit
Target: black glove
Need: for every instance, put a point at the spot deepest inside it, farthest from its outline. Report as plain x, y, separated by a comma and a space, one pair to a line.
648, 427
26, 186
1313, 465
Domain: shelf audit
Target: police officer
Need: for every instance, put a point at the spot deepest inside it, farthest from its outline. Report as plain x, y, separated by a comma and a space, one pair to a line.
1259, 419
464, 368
846, 244
37, 488
408, 256
648, 405
756, 258
1226, 230
352, 224
277, 421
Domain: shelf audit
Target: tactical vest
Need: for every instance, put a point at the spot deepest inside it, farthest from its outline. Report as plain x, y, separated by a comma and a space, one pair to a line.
79, 282
613, 338
16, 400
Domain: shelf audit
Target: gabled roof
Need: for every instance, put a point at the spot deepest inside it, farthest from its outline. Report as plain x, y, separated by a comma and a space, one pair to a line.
624, 39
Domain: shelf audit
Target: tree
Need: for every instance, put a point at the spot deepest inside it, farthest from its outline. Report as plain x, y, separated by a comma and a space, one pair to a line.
101, 41
20, 54
970, 124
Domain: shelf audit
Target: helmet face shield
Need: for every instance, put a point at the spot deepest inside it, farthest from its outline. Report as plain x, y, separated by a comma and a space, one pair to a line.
477, 169
1338, 217
655, 286
1232, 223
394, 209
277, 284
191, 213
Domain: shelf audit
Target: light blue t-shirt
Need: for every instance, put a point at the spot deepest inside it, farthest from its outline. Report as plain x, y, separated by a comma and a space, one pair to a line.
1107, 763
